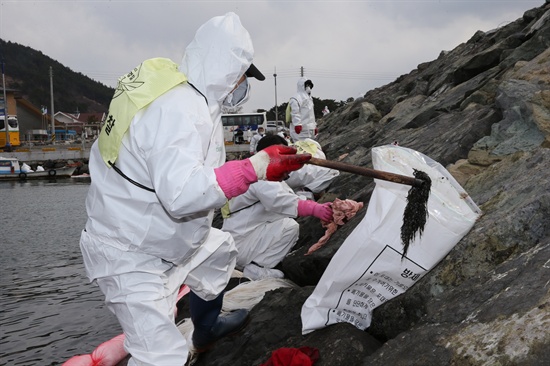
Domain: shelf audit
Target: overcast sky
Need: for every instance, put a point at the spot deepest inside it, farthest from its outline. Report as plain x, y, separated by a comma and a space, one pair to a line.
345, 47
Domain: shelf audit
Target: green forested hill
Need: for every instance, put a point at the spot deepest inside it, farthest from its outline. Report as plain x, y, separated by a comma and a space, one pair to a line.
28, 71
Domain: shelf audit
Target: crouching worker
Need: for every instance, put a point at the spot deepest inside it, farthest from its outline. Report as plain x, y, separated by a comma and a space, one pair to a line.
262, 221
311, 180
158, 173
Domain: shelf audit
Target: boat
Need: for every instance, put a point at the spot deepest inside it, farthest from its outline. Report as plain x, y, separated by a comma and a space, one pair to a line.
82, 177
11, 170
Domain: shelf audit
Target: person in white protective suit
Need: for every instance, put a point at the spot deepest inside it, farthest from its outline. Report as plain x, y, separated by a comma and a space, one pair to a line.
255, 139
311, 181
303, 123
262, 222
158, 173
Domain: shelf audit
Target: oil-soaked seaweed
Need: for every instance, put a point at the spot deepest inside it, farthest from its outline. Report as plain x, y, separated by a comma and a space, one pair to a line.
416, 211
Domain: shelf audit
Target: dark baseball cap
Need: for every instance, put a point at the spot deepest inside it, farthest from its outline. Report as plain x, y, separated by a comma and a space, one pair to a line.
254, 72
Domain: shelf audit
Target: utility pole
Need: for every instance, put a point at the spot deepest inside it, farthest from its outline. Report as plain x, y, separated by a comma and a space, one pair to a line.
276, 107
6, 125
53, 118
302, 71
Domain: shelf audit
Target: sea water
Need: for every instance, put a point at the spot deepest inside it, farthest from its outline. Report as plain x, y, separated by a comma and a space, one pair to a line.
49, 311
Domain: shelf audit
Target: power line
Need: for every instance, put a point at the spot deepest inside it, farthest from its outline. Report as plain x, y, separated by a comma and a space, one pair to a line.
282, 74
335, 74
323, 73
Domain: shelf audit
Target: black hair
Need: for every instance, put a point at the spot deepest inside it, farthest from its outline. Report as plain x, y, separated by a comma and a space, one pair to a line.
269, 140
308, 83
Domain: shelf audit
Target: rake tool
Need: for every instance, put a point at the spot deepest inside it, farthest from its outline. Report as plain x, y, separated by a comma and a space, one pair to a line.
416, 210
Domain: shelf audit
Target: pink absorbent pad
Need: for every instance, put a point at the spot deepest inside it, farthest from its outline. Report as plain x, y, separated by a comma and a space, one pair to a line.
111, 352
342, 212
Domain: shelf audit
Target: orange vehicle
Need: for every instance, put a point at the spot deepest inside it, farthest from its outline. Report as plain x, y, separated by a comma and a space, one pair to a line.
13, 131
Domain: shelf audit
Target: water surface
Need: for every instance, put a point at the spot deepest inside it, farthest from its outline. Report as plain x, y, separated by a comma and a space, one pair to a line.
49, 310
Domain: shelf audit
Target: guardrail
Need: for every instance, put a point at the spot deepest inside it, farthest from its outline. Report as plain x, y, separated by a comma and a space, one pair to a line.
60, 152
37, 153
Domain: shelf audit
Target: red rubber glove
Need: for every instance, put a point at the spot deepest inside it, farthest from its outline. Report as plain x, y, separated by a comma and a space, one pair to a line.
312, 208
316, 131
298, 129
275, 162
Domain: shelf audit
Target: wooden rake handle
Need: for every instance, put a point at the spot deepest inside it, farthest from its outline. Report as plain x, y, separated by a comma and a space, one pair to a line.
378, 174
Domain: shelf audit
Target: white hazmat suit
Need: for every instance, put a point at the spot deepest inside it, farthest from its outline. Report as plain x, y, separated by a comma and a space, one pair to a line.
311, 178
302, 113
256, 137
262, 223
140, 246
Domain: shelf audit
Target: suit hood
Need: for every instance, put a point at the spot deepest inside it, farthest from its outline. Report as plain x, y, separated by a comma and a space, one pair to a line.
300, 85
218, 56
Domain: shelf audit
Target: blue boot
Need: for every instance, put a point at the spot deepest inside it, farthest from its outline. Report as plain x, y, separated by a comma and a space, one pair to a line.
209, 325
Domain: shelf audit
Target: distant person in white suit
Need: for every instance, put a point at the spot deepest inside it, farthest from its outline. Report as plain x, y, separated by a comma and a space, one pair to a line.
255, 139
302, 123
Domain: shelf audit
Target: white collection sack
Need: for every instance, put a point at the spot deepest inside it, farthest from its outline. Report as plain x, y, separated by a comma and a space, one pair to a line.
368, 269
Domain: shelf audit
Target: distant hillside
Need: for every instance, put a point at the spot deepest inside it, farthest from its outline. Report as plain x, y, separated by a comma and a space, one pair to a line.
28, 71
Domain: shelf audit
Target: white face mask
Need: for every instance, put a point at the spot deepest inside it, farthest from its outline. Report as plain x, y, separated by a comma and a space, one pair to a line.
308, 90
238, 96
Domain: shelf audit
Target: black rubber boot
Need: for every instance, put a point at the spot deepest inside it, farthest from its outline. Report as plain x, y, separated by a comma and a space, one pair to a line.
209, 325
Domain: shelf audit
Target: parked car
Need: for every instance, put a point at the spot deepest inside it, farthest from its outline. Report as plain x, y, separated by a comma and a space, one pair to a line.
276, 127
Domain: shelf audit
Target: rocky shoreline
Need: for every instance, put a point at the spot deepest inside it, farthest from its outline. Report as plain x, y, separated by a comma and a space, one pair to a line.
482, 110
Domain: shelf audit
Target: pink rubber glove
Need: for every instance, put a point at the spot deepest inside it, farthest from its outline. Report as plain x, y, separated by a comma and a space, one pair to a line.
275, 162
312, 208
272, 163
235, 176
